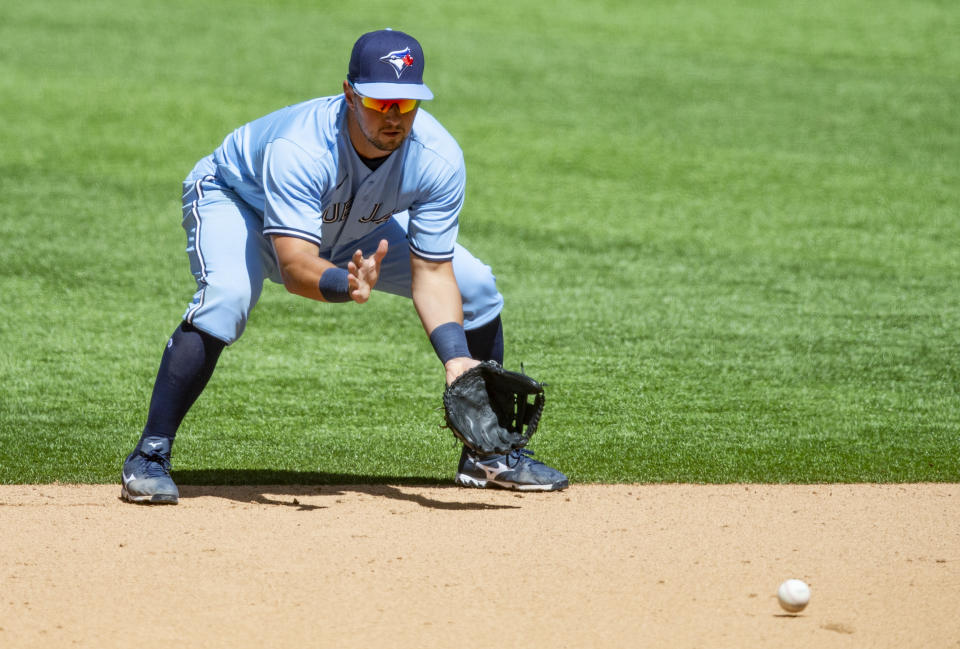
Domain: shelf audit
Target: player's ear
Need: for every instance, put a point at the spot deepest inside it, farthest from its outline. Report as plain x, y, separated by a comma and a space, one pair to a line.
348, 93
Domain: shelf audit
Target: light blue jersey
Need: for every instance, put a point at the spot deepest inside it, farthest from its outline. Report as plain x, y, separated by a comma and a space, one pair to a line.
297, 168
295, 173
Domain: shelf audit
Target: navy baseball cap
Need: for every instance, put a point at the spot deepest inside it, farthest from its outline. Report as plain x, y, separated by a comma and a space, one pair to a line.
388, 64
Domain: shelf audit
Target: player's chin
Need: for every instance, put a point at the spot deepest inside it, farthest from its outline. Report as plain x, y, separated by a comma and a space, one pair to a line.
390, 140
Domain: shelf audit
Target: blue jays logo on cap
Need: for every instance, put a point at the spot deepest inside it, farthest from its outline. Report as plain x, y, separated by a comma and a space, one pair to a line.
400, 60
400, 78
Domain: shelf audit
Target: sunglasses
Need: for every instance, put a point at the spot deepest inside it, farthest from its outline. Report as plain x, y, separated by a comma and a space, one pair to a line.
383, 105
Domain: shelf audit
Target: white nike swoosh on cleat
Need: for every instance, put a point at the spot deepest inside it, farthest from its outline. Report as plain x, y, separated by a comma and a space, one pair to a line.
128, 478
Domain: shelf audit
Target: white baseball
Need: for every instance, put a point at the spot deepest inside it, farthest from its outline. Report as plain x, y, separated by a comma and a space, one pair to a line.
794, 595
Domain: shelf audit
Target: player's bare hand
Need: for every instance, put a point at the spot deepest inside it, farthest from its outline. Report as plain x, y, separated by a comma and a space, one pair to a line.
457, 366
364, 272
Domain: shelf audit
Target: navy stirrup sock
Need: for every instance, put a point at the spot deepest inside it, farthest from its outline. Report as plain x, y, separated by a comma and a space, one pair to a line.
185, 368
486, 343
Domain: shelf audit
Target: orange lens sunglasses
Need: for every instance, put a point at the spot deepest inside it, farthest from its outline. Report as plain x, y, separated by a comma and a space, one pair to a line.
383, 105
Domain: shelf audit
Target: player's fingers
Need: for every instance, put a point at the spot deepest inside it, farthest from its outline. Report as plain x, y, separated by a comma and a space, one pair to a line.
360, 295
359, 291
361, 272
358, 257
353, 283
381, 251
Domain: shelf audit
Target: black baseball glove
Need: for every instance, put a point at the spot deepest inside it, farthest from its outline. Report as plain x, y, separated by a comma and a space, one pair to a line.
490, 409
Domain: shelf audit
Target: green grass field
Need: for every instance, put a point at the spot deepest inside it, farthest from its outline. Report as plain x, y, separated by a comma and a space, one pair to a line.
727, 233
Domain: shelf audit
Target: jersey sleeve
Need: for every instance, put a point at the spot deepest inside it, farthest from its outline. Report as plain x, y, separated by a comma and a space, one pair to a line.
434, 221
293, 186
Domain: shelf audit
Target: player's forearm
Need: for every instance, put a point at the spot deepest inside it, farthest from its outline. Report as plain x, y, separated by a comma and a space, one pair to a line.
435, 293
302, 276
301, 267
436, 297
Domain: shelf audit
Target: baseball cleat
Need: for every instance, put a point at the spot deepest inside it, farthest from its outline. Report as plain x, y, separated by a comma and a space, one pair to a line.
146, 473
516, 470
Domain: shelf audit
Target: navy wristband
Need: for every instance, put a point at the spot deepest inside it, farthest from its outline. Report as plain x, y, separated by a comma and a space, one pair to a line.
449, 340
334, 285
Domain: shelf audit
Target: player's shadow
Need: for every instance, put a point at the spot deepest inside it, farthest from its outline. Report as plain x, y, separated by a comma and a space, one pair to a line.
252, 486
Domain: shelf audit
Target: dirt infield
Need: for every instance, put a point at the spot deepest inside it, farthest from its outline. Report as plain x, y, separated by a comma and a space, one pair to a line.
398, 566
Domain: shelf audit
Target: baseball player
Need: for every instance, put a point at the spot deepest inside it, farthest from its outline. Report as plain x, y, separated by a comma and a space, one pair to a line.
333, 197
